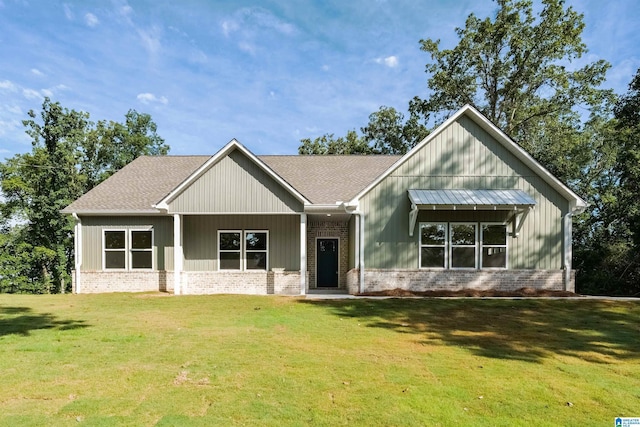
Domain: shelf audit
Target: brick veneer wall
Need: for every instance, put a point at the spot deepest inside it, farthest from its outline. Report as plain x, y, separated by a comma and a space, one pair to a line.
93, 282
454, 280
328, 229
193, 282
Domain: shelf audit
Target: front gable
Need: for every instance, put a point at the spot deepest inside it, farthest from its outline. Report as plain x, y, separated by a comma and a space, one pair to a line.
233, 183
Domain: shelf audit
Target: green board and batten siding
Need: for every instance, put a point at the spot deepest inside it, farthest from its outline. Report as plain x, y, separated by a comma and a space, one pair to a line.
92, 230
461, 156
201, 241
235, 184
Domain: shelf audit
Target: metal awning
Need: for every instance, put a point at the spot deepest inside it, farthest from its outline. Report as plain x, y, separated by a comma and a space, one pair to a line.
516, 201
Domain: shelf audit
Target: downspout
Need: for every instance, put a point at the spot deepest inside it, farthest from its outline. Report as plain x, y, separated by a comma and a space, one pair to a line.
77, 243
568, 252
177, 254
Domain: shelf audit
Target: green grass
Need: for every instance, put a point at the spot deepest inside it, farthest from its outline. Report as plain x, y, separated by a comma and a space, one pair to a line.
148, 359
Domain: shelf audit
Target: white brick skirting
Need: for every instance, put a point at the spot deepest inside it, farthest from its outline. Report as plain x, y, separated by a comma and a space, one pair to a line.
193, 282
455, 280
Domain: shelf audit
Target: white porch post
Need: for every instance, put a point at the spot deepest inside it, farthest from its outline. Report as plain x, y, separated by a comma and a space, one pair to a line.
178, 254
77, 237
568, 252
361, 247
303, 253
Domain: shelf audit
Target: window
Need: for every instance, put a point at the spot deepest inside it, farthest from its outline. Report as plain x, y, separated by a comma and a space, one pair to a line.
494, 246
463, 245
128, 252
255, 250
433, 239
243, 251
229, 249
115, 249
141, 249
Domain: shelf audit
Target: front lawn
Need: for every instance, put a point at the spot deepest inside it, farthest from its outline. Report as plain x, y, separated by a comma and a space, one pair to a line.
154, 359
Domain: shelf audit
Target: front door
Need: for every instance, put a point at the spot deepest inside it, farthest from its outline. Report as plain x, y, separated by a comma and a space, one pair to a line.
327, 263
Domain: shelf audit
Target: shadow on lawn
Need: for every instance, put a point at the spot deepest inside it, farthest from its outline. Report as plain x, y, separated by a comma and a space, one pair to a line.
529, 330
22, 320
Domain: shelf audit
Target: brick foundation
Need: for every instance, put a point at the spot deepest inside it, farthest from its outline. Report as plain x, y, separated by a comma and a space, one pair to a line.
193, 282
455, 280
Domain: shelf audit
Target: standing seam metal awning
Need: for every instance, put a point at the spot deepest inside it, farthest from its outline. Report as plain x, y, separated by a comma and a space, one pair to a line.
505, 200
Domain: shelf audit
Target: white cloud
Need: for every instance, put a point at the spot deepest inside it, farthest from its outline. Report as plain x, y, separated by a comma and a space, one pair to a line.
37, 72
249, 21
31, 94
151, 39
67, 11
91, 20
389, 61
229, 26
7, 85
47, 92
148, 98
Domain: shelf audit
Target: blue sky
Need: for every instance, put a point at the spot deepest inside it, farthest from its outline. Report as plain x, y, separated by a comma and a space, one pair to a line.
267, 73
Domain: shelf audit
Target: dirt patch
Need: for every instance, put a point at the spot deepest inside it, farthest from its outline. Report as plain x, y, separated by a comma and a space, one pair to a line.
522, 292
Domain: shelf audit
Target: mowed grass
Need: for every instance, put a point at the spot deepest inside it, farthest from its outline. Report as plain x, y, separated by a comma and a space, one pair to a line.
153, 359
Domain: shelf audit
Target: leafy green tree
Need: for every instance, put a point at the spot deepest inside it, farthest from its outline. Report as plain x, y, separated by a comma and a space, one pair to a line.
388, 132
516, 69
69, 156
327, 144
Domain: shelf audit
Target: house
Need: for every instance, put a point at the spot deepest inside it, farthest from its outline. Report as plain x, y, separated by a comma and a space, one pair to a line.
466, 208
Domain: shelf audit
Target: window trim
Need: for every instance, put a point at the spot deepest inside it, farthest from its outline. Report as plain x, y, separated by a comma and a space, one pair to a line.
505, 246
245, 251
105, 250
239, 250
132, 250
128, 249
478, 247
474, 246
445, 246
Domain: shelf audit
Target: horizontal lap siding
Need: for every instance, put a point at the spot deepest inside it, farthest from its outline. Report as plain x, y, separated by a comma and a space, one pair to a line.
201, 233
92, 230
235, 185
462, 156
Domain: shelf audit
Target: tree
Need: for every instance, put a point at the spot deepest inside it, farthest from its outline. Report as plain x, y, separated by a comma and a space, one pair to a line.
69, 156
516, 69
328, 144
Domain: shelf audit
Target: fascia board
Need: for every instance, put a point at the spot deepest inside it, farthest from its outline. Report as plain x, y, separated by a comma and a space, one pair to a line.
224, 151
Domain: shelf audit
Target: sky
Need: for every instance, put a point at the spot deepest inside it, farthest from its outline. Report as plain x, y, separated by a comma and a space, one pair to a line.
267, 73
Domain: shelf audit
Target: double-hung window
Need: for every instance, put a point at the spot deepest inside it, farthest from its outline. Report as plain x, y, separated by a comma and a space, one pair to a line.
433, 245
494, 246
238, 250
463, 245
128, 251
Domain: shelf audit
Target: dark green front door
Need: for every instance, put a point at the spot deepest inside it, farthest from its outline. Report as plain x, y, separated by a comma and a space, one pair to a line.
327, 263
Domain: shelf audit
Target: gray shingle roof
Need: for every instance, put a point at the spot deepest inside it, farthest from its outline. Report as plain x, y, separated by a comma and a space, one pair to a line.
148, 179
138, 186
328, 179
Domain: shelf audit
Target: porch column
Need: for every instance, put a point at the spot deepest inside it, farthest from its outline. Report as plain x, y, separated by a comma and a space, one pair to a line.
178, 254
568, 252
77, 240
361, 261
303, 253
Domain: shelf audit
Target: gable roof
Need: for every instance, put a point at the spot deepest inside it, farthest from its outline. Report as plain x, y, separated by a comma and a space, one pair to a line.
577, 204
145, 183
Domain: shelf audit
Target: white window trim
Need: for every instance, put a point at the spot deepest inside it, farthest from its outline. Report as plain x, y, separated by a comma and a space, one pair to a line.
127, 249
244, 251
474, 246
105, 250
506, 246
446, 245
230, 251
131, 250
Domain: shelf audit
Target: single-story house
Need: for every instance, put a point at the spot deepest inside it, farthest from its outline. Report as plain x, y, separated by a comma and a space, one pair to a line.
465, 208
